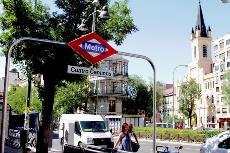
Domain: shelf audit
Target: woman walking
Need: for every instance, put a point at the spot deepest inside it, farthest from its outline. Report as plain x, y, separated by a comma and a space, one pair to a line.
124, 139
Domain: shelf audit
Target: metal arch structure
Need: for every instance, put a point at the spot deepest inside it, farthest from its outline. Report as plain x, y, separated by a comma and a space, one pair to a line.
154, 90
6, 82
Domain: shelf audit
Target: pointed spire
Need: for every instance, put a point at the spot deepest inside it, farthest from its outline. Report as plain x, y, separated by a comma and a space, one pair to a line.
200, 22
192, 31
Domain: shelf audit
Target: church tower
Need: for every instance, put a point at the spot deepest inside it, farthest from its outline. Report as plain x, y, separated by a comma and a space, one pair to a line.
201, 46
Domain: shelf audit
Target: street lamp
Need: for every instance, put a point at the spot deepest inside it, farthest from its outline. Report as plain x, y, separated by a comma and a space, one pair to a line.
174, 92
104, 14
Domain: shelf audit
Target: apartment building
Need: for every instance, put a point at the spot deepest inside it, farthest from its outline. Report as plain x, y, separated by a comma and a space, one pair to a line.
107, 94
211, 109
221, 48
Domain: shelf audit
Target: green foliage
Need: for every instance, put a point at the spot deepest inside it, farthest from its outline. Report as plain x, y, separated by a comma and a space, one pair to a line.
140, 97
189, 92
226, 88
70, 97
17, 99
176, 134
26, 18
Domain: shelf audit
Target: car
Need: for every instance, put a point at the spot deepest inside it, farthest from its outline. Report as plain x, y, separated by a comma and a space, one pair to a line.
217, 144
162, 125
209, 129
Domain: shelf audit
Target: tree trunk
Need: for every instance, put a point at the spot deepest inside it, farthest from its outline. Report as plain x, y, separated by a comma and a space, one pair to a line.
46, 117
190, 121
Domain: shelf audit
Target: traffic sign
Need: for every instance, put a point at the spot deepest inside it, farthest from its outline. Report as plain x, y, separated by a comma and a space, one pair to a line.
92, 48
89, 71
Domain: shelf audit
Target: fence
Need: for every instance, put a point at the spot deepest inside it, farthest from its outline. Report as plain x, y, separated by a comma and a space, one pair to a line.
90, 149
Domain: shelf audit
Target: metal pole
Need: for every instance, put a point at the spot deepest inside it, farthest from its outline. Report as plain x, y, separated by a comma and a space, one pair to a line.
26, 123
173, 109
6, 82
154, 91
173, 100
94, 19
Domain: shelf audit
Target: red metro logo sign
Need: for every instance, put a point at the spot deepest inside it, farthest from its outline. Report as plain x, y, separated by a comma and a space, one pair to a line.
92, 48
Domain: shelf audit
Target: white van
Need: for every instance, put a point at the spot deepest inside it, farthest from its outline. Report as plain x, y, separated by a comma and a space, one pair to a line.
85, 128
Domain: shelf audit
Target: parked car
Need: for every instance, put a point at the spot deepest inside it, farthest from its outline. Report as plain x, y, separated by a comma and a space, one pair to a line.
162, 125
209, 129
217, 144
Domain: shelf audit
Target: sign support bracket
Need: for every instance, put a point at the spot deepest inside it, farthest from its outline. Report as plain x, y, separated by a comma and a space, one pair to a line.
154, 90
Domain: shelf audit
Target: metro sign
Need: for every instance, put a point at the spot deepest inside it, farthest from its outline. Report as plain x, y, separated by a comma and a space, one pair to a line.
92, 48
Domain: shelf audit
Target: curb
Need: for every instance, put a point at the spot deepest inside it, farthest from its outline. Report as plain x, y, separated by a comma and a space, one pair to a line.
171, 142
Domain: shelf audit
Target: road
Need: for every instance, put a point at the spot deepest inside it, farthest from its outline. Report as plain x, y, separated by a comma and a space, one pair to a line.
147, 146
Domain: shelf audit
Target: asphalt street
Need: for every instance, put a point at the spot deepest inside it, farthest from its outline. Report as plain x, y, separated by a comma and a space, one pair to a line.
146, 146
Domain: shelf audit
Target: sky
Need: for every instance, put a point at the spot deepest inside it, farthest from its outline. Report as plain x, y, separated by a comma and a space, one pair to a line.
164, 34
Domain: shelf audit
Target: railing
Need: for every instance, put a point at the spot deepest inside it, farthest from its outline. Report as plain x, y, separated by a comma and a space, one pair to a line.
90, 149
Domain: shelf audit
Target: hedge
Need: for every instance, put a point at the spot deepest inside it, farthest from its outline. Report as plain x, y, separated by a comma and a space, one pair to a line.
176, 134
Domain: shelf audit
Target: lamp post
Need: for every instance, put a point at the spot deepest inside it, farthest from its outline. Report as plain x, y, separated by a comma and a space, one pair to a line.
104, 14
174, 93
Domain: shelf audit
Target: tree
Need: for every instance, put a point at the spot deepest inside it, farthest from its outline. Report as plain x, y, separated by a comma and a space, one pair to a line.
70, 97
226, 88
189, 92
17, 99
140, 97
23, 18
137, 101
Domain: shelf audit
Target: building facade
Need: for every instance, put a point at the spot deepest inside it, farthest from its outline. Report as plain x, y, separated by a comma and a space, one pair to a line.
211, 109
107, 94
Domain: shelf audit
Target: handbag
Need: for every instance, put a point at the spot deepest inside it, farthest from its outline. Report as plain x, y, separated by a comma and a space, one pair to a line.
135, 146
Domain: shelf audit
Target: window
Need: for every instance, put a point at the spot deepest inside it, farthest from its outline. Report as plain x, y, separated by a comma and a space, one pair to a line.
221, 44
194, 51
228, 42
216, 67
204, 51
117, 68
228, 54
212, 99
225, 144
224, 110
222, 67
218, 110
217, 89
222, 56
228, 64
215, 47
112, 106
222, 77
217, 79
222, 99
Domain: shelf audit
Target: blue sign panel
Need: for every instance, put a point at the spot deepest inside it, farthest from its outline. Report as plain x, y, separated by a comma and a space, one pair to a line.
93, 47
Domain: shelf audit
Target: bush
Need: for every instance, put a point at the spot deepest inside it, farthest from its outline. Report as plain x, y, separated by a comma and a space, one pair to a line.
176, 134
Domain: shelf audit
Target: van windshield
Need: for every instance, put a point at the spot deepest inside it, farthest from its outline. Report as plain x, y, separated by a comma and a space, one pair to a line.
93, 126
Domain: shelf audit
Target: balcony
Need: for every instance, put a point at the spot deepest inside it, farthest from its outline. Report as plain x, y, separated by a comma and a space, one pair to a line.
118, 92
